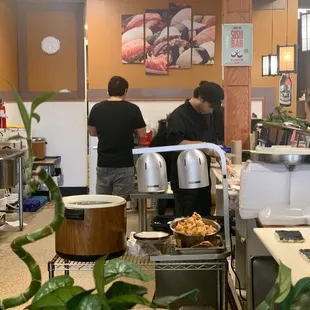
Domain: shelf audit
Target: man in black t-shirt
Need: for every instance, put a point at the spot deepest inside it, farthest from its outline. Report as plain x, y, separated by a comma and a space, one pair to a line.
114, 121
187, 125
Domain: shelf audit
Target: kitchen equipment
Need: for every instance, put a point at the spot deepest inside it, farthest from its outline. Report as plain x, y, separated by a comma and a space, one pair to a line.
284, 216
151, 173
277, 177
8, 167
188, 241
152, 236
39, 148
94, 226
202, 250
192, 169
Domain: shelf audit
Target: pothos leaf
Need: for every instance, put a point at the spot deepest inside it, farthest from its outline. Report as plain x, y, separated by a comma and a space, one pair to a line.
91, 302
122, 288
125, 302
284, 280
99, 275
36, 117
297, 295
165, 302
117, 268
73, 303
57, 298
52, 285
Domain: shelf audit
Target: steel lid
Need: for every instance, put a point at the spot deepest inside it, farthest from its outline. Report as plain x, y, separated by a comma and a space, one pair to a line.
38, 139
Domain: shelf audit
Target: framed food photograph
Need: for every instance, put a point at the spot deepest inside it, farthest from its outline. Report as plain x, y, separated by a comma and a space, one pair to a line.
203, 43
180, 35
156, 42
133, 39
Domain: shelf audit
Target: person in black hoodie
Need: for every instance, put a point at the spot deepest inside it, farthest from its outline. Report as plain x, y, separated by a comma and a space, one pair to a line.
216, 119
187, 125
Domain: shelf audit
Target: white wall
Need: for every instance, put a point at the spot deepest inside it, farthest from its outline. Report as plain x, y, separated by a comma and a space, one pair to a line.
63, 125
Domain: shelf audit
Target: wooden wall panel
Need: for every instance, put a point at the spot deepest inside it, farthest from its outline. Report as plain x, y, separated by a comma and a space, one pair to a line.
8, 47
39, 72
46, 72
237, 80
262, 43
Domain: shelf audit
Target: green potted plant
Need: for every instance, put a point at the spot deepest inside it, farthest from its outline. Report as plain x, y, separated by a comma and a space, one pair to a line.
60, 293
284, 296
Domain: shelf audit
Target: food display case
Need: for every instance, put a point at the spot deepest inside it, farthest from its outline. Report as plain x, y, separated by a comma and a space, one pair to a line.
283, 134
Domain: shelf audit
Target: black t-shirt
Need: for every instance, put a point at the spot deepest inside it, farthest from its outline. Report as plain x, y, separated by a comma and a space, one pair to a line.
185, 123
115, 123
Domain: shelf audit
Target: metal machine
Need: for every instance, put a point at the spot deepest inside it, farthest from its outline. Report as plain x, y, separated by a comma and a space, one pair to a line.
151, 173
274, 189
192, 169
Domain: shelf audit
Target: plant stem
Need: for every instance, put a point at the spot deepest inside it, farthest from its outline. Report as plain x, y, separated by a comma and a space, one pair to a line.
18, 243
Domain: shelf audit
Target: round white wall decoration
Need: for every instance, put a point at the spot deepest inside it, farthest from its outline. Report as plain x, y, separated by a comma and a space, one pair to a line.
50, 45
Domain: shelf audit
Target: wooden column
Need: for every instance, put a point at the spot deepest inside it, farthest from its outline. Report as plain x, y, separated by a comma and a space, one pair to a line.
237, 80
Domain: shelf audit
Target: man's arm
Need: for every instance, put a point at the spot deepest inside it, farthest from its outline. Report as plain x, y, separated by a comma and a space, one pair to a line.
92, 131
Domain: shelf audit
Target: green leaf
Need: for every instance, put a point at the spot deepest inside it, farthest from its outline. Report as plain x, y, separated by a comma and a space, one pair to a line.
122, 288
52, 285
284, 280
22, 109
165, 302
38, 101
76, 300
117, 268
36, 117
91, 302
263, 306
57, 298
125, 302
303, 303
99, 275
299, 295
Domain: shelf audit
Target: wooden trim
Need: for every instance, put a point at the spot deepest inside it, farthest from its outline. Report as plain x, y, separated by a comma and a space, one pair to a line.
7, 95
177, 94
23, 8
146, 94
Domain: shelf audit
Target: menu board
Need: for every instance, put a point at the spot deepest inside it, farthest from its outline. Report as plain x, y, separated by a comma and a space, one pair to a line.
237, 45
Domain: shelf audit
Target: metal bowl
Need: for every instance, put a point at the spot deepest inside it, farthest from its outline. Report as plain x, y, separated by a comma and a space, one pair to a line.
188, 241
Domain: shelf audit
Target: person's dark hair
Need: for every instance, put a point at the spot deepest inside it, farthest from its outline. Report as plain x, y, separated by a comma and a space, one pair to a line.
196, 92
212, 93
203, 83
117, 86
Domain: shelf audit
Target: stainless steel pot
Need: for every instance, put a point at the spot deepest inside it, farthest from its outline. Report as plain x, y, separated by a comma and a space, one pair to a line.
8, 169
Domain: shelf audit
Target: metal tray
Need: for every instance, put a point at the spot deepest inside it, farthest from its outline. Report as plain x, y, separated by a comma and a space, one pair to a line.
193, 251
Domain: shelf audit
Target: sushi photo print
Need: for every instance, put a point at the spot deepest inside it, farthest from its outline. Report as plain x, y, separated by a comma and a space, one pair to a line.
203, 43
180, 35
156, 42
133, 39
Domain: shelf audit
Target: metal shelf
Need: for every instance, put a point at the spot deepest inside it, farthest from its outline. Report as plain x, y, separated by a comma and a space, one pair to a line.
60, 264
